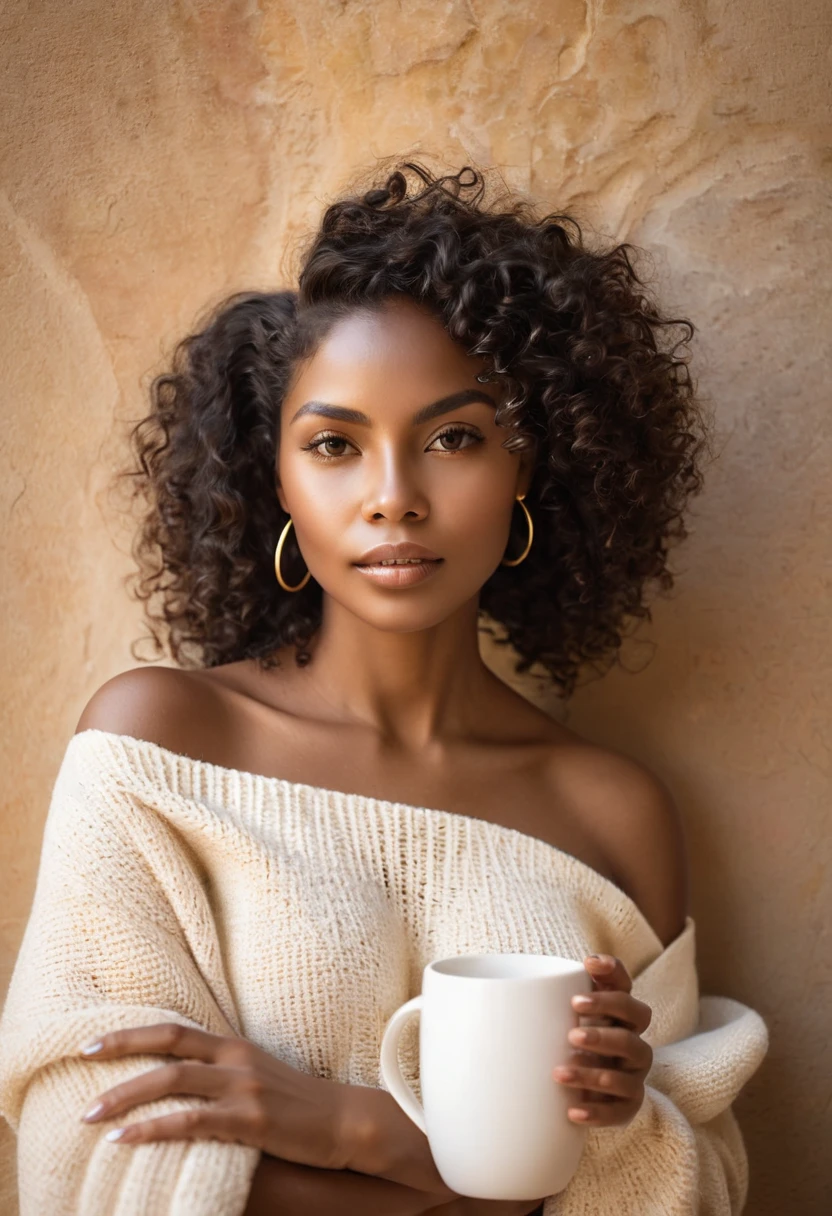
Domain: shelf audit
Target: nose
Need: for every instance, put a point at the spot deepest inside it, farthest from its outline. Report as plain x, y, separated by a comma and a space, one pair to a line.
392, 490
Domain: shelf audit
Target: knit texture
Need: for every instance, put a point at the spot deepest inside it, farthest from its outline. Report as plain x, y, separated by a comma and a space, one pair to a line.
173, 889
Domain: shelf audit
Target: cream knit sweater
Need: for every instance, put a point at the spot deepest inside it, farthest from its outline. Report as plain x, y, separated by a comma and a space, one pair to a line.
173, 889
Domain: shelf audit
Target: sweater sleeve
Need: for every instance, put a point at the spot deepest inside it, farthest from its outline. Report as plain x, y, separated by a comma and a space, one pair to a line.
119, 934
683, 1152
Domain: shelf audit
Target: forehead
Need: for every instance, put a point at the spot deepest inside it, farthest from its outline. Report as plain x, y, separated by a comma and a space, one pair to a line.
401, 339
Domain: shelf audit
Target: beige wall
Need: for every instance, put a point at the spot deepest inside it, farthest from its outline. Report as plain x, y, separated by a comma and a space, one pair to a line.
157, 155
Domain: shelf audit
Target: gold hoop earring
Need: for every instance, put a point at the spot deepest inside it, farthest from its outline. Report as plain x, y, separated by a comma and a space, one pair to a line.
277, 554
517, 560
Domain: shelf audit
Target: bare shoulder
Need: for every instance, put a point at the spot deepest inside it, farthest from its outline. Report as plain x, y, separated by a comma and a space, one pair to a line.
222, 714
157, 704
634, 814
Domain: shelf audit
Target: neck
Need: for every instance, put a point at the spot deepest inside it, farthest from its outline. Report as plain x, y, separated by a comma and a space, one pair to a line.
412, 688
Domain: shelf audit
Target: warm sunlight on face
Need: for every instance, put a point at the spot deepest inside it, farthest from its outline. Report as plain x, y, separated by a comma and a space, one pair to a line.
364, 461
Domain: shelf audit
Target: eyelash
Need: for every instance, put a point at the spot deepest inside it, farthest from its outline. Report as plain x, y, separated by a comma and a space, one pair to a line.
451, 430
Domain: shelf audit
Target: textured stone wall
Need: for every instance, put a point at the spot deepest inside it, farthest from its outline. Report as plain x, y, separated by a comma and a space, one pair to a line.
156, 155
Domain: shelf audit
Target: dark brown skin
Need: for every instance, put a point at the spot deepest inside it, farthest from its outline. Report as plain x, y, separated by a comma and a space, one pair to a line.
397, 703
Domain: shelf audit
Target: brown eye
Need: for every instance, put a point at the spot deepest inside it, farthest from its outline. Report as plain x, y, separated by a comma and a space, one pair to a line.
326, 447
329, 443
456, 438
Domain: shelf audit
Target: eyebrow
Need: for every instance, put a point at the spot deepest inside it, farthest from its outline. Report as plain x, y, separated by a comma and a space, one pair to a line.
444, 405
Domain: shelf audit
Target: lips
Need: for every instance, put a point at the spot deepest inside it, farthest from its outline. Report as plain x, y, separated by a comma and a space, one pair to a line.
397, 552
416, 564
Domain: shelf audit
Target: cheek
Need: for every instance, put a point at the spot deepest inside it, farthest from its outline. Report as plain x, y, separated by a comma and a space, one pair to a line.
323, 509
472, 513
326, 507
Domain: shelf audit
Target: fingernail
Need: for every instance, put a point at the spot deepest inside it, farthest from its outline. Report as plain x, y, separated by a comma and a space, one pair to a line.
91, 1048
579, 1114
93, 1111
115, 1134
581, 1002
603, 959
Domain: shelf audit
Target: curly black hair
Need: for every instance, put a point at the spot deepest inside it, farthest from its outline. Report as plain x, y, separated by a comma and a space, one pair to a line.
595, 378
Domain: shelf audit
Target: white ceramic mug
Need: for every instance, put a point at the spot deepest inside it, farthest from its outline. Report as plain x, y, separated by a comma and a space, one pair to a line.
492, 1029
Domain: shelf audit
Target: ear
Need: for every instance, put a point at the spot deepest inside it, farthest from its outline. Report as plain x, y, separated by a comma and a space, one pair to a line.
526, 470
281, 497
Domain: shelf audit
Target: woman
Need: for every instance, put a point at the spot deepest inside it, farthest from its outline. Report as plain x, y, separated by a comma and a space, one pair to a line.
462, 418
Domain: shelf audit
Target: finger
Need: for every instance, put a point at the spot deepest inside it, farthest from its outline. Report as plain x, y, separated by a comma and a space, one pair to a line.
203, 1080
586, 1095
170, 1038
615, 1113
195, 1123
616, 1042
589, 1060
608, 971
621, 1006
579, 1058
600, 1081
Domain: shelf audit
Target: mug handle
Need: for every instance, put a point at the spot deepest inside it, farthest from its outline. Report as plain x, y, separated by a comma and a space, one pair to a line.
390, 1069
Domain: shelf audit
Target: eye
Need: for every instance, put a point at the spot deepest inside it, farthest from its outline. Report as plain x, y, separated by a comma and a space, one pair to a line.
328, 441
457, 437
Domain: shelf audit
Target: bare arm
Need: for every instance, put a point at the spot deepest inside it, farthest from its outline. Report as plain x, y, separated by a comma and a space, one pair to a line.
388, 1170
379, 1139
302, 1190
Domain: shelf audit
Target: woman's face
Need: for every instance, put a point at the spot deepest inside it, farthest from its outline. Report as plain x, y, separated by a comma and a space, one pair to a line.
386, 437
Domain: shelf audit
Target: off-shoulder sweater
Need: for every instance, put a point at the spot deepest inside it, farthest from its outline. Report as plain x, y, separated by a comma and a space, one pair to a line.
174, 889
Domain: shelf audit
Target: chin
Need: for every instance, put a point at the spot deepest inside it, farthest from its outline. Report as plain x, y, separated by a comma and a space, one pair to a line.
399, 611
402, 619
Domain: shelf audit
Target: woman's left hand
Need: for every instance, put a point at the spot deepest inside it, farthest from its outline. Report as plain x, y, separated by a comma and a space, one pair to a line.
613, 1060
257, 1099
